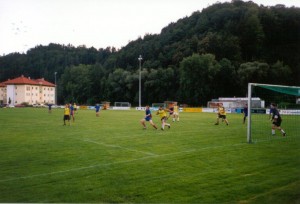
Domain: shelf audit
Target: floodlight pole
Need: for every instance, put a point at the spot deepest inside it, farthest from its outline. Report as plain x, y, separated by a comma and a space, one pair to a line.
140, 80
55, 88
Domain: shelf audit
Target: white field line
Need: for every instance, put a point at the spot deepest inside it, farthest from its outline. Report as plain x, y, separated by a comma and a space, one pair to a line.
117, 146
120, 162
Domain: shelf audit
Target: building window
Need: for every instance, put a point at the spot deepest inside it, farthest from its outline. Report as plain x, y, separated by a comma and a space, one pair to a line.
16, 87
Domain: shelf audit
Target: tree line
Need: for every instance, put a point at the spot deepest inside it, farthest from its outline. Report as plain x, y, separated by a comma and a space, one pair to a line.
212, 53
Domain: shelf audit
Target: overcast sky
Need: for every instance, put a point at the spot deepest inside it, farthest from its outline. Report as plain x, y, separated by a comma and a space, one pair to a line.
94, 23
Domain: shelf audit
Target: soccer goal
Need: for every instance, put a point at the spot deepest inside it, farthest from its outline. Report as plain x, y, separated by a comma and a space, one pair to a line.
121, 106
287, 101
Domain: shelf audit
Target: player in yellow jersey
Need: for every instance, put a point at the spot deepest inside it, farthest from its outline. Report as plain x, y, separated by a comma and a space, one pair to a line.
67, 114
176, 114
163, 117
75, 108
221, 114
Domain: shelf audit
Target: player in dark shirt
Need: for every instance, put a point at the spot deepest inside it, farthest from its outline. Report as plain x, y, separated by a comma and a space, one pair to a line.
276, 120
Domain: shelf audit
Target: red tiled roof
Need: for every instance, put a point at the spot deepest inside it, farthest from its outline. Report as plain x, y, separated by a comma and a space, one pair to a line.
43, 82
25, 80
21, 80
2, 85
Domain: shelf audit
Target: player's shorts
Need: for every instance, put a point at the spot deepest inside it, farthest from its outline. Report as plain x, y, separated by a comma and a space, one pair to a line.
277, 122
163, 118
66, 117
222, 116
148, 118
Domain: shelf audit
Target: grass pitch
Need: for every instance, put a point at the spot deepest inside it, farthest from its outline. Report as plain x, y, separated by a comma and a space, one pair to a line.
112, 159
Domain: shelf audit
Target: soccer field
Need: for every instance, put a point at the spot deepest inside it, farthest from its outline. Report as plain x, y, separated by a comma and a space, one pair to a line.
112, 159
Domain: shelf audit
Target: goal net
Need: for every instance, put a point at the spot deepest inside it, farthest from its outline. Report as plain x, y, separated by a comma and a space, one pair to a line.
287, 101
122, 104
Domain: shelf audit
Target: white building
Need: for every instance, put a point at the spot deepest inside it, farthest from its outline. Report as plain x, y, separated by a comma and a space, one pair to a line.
23, 89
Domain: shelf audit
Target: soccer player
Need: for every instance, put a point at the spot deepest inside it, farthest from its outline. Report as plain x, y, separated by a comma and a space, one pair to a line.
171, 112
221, 114
176, 113
245, 112
276, 120
67, 114
49, 108
97, 107
163, 117
148, 117
72, 112
75, 108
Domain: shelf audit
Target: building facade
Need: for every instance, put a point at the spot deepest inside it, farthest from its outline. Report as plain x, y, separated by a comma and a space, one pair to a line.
25, 90
2, 93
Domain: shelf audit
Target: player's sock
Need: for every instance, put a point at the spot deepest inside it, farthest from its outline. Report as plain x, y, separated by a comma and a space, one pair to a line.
273, 132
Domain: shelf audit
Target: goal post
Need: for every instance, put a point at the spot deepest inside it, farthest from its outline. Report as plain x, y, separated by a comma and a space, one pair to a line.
288, 100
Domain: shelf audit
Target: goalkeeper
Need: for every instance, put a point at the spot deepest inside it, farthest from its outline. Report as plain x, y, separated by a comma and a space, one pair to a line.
276, 120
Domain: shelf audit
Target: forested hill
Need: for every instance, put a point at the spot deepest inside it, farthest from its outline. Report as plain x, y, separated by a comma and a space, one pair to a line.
214, 52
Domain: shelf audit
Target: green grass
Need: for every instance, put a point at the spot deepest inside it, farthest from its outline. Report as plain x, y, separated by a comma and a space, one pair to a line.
111, 159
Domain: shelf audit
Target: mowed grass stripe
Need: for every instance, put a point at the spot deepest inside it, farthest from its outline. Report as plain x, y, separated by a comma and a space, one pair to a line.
151, 156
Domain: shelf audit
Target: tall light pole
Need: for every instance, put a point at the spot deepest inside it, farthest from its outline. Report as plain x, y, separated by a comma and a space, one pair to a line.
55, 88
140, 83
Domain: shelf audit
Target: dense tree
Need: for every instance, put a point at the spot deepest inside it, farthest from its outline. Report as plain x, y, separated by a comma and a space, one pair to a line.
197, 74
76, 84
